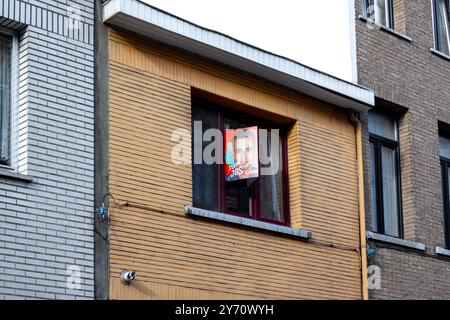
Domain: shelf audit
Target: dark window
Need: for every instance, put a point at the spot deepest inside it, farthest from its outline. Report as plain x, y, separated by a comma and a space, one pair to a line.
262, 195
5, 98
444, 144
385, 187
380, 12
441, 10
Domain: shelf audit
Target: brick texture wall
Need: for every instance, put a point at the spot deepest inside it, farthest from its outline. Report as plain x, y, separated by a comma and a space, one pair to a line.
46, 225
408, 74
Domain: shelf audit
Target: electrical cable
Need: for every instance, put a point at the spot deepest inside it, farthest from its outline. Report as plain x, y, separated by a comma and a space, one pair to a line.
313, 242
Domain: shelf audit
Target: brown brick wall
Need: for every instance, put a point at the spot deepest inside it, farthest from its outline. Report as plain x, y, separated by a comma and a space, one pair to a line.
408, 74
399, 15
407, 275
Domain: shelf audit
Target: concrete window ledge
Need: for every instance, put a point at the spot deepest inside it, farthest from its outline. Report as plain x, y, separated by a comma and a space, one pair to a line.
10, 174
440, 54
386, 29
442, 251
395, 241
196, 212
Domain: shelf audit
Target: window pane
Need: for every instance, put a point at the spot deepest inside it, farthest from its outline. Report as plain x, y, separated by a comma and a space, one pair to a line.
444, 147
205, 177
379, 11
271, 180
382, 125
369, 8
448, 189
442, 26
390, 193
5, 97
373, 187
448, 179
239, 194
445, 167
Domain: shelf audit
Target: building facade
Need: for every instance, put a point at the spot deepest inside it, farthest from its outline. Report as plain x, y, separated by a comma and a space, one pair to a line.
47, 149
402, 50
189, 228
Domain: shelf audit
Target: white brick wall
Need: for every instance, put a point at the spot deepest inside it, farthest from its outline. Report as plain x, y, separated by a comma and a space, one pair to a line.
47, 225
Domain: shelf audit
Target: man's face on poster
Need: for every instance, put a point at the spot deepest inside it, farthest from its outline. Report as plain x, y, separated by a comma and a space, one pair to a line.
241, 153
243, 148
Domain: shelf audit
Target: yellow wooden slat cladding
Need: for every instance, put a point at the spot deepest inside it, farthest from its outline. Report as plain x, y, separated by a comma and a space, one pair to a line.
159, 291
163, 62
294, 175
157, 251
180, 257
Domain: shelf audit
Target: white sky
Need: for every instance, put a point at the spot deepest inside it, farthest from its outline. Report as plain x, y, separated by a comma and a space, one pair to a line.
315, 33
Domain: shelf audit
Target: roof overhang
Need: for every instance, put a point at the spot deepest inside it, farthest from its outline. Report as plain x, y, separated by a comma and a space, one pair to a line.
161, 26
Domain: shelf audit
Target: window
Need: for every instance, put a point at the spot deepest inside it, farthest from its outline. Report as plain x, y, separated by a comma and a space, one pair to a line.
379, 11
385, 187
441, 10
260, 190
5, 98
444, 146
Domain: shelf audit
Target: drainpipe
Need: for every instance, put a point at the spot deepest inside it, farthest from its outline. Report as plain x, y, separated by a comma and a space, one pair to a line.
362, 222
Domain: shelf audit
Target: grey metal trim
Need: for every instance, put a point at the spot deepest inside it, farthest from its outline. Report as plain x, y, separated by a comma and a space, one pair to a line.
442, 251
440, 54
10, 174
153, 23
306, 235
101, 138
395, 241
387, 29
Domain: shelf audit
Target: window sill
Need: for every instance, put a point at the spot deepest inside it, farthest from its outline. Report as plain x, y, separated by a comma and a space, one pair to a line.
395, 241
386, 29
6, 172
196, 212
442, 251
440, 54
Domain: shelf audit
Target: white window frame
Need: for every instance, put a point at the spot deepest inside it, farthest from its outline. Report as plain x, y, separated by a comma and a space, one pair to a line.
389, 20
14, 121
435, 31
